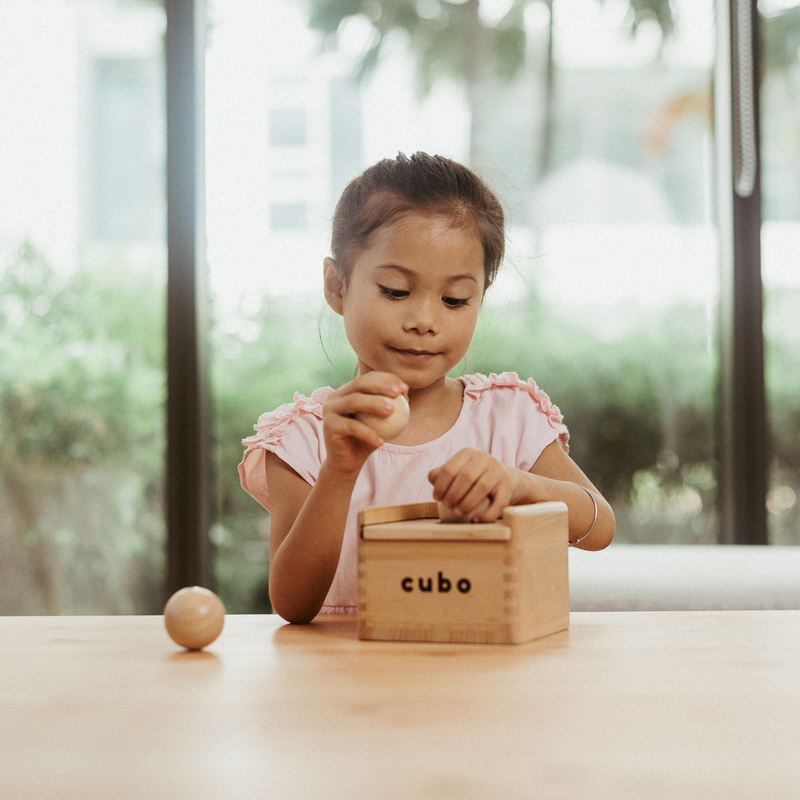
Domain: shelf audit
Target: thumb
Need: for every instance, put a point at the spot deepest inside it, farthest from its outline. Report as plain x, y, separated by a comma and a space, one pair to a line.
433, 474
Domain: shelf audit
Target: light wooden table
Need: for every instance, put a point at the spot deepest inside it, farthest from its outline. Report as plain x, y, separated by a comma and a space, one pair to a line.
624, 705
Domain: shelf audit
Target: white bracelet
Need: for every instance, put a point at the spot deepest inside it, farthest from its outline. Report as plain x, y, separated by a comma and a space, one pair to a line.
594, 518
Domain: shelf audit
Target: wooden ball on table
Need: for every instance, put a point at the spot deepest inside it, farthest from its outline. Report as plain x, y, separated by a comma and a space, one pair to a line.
194, 617
390, 427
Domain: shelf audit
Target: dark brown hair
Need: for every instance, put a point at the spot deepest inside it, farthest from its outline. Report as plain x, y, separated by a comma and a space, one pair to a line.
420, 184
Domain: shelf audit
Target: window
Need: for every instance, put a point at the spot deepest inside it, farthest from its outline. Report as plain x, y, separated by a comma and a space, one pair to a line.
287, 127
604, 143
780, 245
82, 275
288, 216
128, 147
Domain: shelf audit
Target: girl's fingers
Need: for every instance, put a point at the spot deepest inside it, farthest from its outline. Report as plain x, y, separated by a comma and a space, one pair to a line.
446, 475
348, 440
459, 477
366, 395
358, 403
474, 496
384, 383
345, 427
467, 479
499, 500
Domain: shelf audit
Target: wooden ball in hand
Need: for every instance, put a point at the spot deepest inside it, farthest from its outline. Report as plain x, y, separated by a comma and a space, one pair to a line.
390, 427
194, 617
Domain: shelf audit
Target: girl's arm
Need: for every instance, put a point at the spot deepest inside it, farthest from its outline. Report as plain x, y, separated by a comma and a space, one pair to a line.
307, 524
306, 532
471, 475
555, 476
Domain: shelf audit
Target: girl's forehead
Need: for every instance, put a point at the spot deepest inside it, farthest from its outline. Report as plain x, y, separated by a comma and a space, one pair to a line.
426, 246
412, 228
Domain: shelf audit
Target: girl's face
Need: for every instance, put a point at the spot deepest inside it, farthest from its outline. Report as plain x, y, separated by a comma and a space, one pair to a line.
411, 302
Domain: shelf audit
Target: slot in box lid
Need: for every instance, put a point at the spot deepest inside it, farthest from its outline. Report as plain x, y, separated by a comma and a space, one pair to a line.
420, 522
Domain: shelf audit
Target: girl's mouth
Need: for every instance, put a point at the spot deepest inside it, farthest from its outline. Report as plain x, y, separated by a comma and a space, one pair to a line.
415, 354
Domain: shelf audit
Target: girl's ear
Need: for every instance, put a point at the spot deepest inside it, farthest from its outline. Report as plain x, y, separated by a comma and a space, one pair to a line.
334, 285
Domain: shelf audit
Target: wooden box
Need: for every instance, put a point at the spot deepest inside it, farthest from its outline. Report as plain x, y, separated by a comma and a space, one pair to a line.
420, 579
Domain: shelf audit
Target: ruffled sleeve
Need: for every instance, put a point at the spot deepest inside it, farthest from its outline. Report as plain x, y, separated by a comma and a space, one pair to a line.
521, 413
294, 433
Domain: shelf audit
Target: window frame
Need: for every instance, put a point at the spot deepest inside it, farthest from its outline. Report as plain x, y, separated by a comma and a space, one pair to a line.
188, 419
742, 429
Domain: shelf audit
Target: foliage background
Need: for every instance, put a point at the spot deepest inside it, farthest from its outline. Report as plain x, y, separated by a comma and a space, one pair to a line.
81, 439
82, 426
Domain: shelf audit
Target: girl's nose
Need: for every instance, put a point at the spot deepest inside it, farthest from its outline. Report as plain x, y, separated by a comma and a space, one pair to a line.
421, 317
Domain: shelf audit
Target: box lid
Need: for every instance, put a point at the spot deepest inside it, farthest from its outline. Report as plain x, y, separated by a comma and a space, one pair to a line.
433, 530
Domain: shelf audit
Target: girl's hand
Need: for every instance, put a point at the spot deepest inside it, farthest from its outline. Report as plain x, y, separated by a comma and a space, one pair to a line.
469, 477
348, 441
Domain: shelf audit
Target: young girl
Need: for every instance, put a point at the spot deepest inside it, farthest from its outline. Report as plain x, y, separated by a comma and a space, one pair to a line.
416, 242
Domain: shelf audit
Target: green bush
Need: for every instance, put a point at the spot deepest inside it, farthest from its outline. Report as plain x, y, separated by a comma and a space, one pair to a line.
81, 439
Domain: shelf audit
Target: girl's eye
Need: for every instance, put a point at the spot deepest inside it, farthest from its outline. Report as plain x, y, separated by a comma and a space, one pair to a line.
394, 294
455, 302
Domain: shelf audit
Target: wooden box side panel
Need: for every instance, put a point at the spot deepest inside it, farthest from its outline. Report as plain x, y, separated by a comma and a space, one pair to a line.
543, 572
521, 517
473, 633
436, 591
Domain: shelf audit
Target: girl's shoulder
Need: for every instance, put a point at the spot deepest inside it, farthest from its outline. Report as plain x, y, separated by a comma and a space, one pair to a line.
272, 425
293, 431
496, 388
507, 396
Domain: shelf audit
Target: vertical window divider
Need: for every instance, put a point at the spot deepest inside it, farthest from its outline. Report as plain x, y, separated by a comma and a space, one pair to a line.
188, 417
742, 419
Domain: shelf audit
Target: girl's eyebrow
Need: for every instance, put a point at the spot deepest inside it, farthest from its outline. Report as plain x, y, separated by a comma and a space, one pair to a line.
410, 273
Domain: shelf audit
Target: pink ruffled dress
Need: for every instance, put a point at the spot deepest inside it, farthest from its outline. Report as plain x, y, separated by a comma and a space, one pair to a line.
511, 419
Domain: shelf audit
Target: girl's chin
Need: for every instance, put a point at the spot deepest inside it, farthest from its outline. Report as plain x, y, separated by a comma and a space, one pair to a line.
417, 372
419, 382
